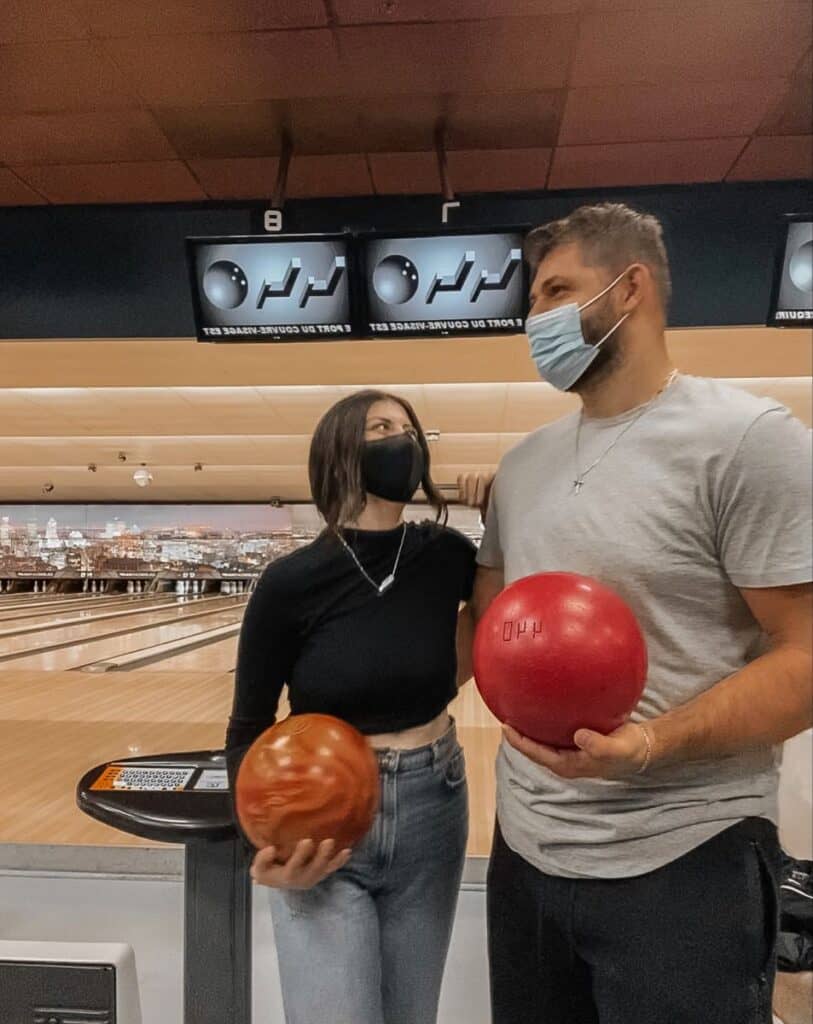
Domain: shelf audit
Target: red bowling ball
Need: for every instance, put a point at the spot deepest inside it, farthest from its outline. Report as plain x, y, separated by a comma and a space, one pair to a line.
307, 777
557, 652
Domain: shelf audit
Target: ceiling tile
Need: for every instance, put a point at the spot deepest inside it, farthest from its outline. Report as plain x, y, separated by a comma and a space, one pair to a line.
772, 157
498, 170
337, 174
519, 120
501, 56
401, 124
325, 124
43, 21
644, 5
383, 11
673, 110
713, 42
14, 192
643, 163
792, 114
239, 178
124, 18
144, 182
404, 173
473, 121
223, 130
103, 136
320, 125
60, 76
229, 68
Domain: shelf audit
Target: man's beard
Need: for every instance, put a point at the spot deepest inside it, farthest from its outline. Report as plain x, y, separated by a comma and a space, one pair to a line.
610, 355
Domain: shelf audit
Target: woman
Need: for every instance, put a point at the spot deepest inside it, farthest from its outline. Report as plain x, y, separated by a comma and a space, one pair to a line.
363, 624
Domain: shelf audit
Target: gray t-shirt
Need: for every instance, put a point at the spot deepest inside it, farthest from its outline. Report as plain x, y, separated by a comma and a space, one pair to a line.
709, 491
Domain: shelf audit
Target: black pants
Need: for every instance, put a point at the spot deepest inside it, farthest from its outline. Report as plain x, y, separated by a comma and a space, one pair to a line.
690, 943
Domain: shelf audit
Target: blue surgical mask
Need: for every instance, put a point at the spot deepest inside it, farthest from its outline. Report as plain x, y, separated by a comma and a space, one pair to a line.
558, 347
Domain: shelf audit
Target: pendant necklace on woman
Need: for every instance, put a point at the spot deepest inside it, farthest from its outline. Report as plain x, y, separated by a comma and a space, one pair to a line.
578, 483
382, 587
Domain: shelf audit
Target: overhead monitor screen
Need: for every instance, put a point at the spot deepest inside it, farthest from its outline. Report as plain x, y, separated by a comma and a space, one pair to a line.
434, 285
792, 296
271, 289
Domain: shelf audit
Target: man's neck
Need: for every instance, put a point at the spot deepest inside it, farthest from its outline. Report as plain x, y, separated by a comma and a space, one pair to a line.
634, 382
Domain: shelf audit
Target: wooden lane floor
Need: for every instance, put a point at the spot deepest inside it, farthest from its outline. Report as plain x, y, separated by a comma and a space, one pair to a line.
60, 630
220, 656
34, 609
56, 725
20, 623
70, 654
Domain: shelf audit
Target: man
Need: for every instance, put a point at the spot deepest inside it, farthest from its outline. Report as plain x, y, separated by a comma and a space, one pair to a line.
633, 880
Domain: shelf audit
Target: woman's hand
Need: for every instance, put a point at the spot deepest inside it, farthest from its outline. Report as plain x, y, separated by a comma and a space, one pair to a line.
474, 490
307, 866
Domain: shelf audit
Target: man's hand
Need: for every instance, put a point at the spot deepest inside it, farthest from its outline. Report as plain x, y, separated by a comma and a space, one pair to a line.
474, 490
616, 756
308, 865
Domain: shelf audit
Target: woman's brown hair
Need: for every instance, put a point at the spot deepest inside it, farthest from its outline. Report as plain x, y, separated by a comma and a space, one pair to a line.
334, 463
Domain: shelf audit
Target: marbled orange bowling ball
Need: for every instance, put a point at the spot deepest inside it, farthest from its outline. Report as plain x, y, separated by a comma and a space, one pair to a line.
307, 777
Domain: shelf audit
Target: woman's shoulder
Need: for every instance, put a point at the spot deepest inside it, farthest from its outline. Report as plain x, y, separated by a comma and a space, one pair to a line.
288, 575
447, 537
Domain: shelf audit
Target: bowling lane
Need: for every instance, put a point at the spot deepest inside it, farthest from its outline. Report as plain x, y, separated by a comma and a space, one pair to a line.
118, 612
98, 650
91, 606
137, 622
216, 657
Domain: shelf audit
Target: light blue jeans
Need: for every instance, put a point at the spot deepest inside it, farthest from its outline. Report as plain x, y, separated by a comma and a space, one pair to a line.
368, 945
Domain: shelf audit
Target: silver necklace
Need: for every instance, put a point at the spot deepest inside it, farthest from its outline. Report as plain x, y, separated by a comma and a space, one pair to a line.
382, 587
578, 483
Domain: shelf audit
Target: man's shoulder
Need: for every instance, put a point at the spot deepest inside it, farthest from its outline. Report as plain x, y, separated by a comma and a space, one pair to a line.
537, 444
721, 410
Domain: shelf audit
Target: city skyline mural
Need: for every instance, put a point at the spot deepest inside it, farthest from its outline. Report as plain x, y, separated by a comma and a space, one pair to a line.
144, 540
131, 541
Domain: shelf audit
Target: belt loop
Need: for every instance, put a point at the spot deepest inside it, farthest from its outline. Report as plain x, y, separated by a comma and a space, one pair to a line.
436, 756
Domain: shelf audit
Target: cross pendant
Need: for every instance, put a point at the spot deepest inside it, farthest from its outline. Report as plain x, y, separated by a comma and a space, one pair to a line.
577, 485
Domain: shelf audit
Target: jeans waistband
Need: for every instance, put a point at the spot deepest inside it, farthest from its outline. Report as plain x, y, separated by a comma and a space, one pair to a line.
392, 760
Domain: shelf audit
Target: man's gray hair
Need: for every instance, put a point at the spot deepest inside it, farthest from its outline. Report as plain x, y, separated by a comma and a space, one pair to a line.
609, 235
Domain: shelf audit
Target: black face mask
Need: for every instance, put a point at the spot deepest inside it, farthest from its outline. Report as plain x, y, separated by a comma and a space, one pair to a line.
392, 468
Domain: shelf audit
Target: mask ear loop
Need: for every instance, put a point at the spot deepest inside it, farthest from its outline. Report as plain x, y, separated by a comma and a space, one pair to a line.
612, 284
611, 331
595, 298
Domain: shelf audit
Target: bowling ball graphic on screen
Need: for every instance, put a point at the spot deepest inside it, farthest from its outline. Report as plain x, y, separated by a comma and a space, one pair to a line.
395, 280
225, 284
800, 267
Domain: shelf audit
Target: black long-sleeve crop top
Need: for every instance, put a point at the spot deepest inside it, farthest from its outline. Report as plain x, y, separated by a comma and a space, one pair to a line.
382, 663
